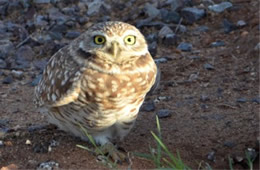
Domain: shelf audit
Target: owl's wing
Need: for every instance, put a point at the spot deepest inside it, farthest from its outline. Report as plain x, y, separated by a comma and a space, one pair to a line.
156, 83
60, 83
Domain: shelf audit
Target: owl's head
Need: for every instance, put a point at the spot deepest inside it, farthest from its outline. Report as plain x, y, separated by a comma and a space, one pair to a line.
114, 41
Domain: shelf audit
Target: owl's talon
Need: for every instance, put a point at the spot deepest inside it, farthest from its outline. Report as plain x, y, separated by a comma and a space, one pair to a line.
118, 156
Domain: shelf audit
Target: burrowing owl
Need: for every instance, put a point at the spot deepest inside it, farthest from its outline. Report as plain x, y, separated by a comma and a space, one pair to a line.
100, 81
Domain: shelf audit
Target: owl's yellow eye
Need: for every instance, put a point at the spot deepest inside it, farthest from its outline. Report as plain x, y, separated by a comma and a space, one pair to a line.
99, 39
130, 40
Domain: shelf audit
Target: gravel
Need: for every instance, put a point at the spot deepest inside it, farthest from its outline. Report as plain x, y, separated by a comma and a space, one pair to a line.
218, 8
163, 113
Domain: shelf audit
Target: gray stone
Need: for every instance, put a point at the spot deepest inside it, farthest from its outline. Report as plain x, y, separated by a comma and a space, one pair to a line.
208, 66
72, 34
4, 122
34, 128
218, 43
170, 39
256, 100
41, 1
95, 6
152, 47
2, 64
184, 46
17, 74
241, 23
25, 52
40, 64
55, 15
36, 80
228, 26
229, 144
40, 20
211, 156
148, 107
151, 38
163, 113
170, 16
151, 11
6, 47
8, 79
202, 28
160, 60
49, 165
241, 100
218, 8
176, 4
164, 31
204, 98
192, 14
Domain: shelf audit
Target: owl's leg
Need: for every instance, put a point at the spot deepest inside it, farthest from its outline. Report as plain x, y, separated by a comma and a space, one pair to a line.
111, 150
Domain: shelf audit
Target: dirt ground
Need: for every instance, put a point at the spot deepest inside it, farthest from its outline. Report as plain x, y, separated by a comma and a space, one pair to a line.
212, 110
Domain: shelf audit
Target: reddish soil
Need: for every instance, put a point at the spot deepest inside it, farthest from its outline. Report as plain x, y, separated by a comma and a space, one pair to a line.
206, 114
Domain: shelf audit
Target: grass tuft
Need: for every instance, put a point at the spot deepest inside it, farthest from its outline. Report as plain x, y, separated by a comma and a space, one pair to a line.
161, 156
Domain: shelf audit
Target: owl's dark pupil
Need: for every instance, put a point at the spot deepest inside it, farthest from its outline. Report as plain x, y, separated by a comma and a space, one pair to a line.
100, 40
129, 39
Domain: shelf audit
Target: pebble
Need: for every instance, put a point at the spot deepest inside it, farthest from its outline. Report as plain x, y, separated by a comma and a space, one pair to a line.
218, 8
4, 122
228, 26
163, 113
192, 14
160, 60
164, 31
33, 128
53, 143
2, 64
211, 156
204, 98
152, 47
28, 142
6, 47
95, 6
252, 154
176, 4
218, 44
150, 38
56, 16
202, 28
229, 144
194, 57
241, 100
40, 64
49, 165
208, 66
72, 34
36, 80
148, 106
40, 20
256, 100
241, 23
41, 147
170, 16
41, 1
1, 143
151, 11
170, 39
17, 74
184, 46
8, 79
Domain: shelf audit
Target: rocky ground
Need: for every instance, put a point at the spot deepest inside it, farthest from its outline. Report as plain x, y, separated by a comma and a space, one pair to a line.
207, 102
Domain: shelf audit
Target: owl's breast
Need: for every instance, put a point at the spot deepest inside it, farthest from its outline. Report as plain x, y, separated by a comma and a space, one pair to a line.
111, 91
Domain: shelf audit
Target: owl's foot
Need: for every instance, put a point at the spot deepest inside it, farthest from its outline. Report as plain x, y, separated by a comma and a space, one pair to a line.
111, 151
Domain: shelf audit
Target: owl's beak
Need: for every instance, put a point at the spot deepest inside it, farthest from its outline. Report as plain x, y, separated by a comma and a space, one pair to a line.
114, 48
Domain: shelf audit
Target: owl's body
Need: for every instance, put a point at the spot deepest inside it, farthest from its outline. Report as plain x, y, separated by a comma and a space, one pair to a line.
99, 85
